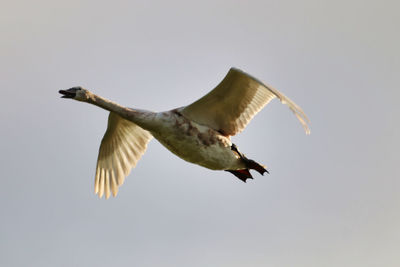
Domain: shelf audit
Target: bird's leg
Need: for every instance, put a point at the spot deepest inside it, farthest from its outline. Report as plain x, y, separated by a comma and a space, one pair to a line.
241, 174
250, 164
234, 148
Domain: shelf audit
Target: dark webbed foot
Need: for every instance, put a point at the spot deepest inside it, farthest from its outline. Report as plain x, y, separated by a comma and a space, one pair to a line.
241, 174
250, 164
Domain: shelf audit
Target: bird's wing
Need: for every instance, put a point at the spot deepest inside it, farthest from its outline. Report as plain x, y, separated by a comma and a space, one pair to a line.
233, 103
121, 147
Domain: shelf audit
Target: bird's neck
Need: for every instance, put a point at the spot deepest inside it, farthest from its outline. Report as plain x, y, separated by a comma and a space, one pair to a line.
142, 118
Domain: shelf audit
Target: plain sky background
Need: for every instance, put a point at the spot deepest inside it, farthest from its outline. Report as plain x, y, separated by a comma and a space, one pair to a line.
332, 198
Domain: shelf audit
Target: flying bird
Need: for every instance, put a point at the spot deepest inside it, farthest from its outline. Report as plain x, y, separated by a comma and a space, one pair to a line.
198, 133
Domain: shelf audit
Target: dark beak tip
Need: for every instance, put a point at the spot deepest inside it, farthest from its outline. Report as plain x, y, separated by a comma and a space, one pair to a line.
70, 93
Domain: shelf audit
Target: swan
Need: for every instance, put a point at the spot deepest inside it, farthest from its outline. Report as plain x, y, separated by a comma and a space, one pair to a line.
198, 133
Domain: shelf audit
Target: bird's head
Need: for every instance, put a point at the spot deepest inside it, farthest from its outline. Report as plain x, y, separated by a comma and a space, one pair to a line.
77, 93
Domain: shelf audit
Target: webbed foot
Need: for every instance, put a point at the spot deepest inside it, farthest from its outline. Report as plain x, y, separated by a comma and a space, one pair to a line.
241, 174
244, 174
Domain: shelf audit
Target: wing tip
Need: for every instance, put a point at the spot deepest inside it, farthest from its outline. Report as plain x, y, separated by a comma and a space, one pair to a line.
107, 196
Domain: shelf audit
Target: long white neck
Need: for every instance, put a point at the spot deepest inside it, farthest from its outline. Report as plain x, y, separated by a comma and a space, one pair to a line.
142, 118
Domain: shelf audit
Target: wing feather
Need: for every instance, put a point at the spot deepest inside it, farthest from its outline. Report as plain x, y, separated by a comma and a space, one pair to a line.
234, 102
122, 146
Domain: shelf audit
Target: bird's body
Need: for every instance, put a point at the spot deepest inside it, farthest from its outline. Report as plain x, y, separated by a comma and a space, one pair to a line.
198, 133
194, 142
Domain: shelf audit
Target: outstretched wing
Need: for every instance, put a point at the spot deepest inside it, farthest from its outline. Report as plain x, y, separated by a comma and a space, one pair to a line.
121, 147
234, 102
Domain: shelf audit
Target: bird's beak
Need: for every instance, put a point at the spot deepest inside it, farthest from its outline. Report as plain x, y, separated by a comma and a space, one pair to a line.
69, 93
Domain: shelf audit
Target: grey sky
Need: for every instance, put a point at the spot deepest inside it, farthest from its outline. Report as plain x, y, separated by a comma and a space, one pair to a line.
332, 198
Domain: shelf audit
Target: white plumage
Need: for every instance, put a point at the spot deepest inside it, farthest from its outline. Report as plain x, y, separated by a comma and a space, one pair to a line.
234, 102
198, 133
121, 148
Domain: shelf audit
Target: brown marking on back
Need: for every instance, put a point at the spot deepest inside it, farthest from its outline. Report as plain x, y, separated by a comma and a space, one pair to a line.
213, 137
208, 138
203, 139
175, 111
192, 130
178, 124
